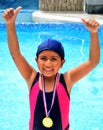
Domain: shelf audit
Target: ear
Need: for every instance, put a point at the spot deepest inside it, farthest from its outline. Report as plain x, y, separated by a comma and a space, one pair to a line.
62, 62
36, 59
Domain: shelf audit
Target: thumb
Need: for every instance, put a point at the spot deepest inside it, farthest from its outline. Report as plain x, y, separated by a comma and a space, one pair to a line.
17, 10
84, 21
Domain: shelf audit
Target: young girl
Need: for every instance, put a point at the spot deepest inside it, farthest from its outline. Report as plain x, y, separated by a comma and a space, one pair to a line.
49, 90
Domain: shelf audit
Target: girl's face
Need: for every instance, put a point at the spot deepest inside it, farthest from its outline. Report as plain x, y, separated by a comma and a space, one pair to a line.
49, 63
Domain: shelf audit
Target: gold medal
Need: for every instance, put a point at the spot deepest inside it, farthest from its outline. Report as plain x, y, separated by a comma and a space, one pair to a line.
47, 122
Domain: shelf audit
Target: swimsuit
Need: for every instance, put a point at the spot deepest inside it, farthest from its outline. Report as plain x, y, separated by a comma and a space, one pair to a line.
59, 112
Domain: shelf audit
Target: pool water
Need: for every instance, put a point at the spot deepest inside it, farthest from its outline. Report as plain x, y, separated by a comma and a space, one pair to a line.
87, 94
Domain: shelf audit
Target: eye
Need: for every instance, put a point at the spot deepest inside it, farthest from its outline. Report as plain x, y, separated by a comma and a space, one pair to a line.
43, 58
54, 59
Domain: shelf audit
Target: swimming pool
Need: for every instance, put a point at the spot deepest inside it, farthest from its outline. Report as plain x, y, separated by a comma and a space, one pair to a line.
86, 96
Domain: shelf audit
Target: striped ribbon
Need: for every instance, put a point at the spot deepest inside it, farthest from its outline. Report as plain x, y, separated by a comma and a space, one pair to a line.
47, 112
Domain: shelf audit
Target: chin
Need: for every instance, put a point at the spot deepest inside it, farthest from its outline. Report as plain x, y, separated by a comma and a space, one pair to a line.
49, 74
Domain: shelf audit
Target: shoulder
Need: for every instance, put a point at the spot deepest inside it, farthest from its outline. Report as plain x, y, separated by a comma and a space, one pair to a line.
68, 81
33, 79
36, 78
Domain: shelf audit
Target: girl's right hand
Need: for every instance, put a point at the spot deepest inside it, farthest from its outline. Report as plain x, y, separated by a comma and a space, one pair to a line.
10, 14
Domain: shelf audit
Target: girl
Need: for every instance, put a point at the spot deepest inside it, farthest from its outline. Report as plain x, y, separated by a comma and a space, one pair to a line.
49, 90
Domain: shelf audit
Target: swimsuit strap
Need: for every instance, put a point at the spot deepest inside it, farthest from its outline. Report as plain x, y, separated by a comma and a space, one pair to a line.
36, 79
62, 81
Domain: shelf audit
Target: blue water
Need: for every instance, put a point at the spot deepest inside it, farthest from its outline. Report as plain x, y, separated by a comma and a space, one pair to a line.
87, 94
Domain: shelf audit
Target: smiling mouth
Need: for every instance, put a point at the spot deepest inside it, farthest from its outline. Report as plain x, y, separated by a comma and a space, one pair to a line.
48, 69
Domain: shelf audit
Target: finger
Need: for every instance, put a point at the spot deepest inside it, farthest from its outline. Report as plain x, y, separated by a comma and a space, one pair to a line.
18, 9
5, 13
8, 12
84, 21
93, 23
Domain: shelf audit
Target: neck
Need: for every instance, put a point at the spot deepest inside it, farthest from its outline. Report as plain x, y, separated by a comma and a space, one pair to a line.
48, 83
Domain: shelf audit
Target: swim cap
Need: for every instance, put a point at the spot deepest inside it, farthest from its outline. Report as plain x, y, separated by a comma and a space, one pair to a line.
51, 45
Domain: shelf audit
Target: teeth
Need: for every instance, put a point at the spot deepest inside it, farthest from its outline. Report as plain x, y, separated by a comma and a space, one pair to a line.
48, 69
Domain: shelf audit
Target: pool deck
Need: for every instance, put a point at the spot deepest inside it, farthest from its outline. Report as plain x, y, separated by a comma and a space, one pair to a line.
44, 16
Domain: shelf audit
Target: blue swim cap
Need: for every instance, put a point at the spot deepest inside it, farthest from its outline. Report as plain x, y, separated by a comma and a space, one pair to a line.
51, 45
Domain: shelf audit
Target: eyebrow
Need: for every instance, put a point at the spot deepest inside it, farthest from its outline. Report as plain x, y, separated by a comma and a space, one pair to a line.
51, 56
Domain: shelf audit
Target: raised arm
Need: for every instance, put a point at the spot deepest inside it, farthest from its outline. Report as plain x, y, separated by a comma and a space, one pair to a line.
23, 66
94, 55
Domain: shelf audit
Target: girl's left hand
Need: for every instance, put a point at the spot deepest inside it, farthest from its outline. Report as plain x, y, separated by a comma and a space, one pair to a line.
91, 24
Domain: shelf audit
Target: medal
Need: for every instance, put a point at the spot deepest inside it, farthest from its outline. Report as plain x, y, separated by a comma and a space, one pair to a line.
47, 121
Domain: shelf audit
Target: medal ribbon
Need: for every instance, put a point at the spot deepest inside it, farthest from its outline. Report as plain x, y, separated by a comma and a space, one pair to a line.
44, 95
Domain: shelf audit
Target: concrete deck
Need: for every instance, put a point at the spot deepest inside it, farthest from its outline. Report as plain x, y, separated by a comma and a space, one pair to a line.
43, 16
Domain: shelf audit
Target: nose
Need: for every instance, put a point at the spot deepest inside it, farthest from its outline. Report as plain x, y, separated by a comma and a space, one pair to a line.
48, 63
